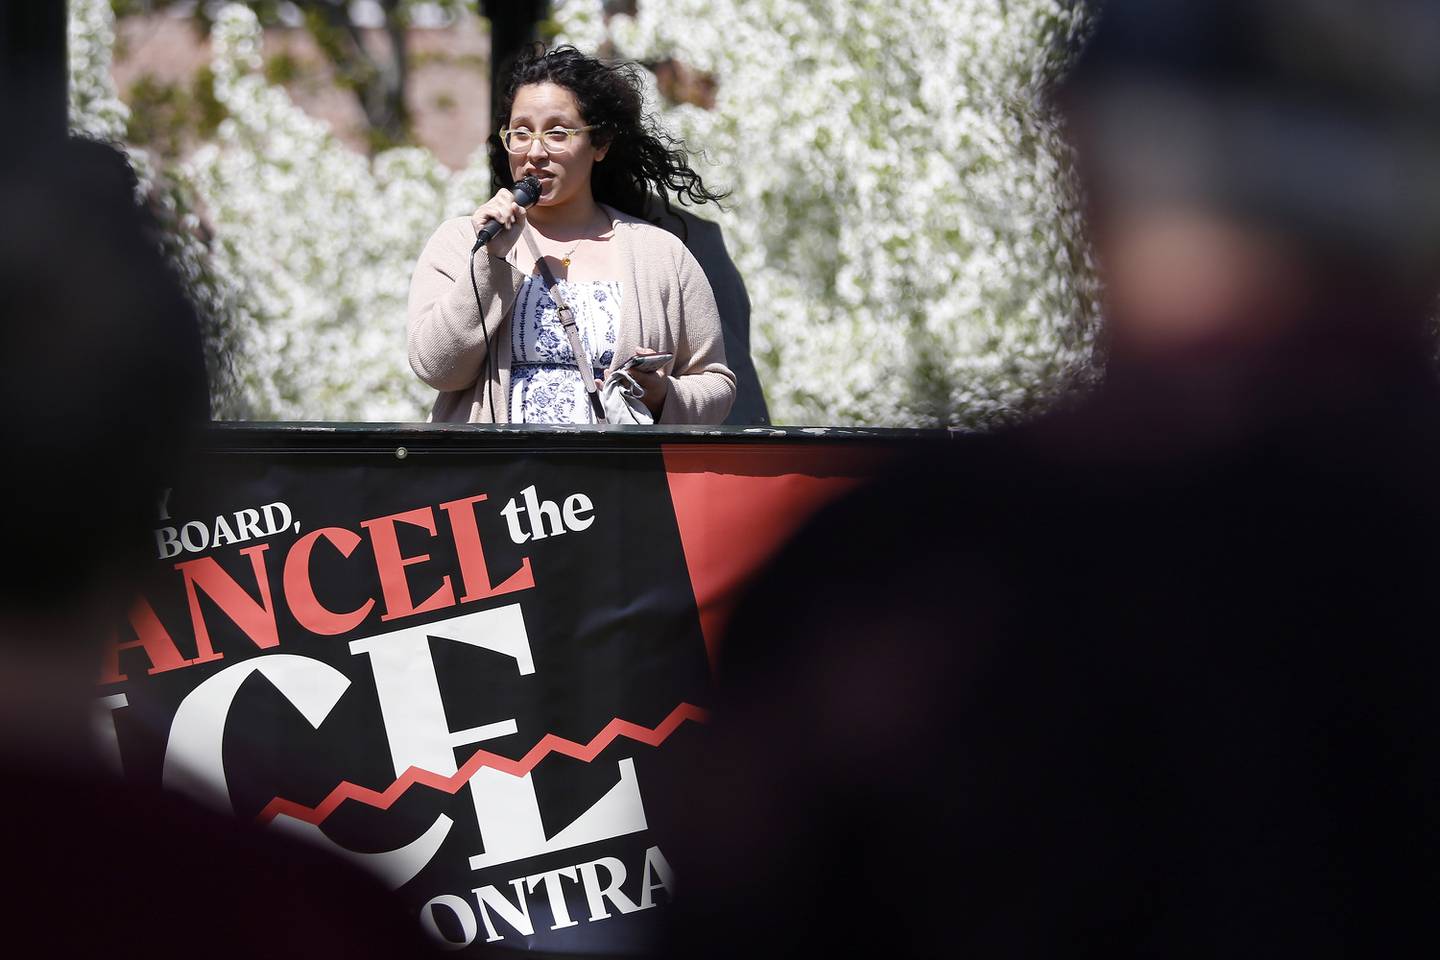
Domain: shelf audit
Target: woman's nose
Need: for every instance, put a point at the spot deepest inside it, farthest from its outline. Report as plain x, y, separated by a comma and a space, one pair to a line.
537, 143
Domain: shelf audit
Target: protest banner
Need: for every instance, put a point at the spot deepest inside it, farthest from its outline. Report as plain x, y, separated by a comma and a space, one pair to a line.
451, 655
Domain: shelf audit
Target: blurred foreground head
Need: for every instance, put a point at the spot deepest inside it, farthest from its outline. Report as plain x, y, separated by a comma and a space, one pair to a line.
102, 388
102, 385
1261, 173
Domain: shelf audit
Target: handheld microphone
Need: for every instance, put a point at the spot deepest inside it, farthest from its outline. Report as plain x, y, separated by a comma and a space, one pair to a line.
526, 192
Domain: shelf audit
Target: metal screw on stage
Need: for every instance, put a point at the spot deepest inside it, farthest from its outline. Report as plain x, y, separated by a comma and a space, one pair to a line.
401, 453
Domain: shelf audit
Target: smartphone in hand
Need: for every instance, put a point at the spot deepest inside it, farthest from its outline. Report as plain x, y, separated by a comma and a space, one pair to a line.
647, 362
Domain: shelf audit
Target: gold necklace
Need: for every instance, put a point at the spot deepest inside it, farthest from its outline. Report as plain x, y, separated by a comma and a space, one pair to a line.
565, 257
565, 260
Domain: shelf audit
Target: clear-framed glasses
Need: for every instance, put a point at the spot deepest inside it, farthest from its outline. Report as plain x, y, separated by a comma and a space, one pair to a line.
554, 140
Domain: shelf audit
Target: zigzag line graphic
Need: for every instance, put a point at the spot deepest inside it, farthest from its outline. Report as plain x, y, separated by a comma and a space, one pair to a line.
548, 744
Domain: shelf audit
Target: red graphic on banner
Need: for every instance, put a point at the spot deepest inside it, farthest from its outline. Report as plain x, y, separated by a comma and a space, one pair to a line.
548, 744
736, 506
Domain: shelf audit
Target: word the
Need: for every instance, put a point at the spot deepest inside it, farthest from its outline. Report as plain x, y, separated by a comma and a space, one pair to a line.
546, 518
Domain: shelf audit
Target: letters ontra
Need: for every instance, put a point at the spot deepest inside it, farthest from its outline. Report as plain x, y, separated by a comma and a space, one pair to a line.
494, 904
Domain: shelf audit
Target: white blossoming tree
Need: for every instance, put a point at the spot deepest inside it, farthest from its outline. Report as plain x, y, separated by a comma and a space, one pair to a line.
323, 241
901, 208
304, 278
96, 112
900, 212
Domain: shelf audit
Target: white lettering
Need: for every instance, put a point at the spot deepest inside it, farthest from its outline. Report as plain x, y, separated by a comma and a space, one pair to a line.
516, 914
511, 512
167, 540
103, 725
273, 511
248, 520
510, 825
656, 863
203, 536
596, 895
197, 536
223, 534
558, 910
546, 518
574, 505
195, 765
544, 510
462, 912
506, 807
656, 875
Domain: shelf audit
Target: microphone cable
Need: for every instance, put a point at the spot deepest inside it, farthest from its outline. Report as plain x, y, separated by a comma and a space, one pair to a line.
485, 332
526, 191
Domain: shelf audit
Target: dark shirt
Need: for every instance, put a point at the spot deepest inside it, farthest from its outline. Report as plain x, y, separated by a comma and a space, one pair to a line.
101, 868
1126, 682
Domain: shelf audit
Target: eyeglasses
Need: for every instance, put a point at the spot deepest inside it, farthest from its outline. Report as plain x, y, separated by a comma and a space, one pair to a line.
554, 140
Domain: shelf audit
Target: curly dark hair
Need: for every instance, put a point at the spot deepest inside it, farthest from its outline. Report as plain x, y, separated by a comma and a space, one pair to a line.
643, 160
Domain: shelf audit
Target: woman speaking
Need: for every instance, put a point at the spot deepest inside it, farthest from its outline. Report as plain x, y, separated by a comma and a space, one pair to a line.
578, 280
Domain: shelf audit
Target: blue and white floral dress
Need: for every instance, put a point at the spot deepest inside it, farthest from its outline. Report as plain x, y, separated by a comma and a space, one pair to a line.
545, 387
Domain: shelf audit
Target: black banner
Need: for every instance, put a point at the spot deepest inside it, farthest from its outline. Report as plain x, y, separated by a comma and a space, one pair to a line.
454, 666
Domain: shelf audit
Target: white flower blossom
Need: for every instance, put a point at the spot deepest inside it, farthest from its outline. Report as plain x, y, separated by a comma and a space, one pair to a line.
96, 111
902, 206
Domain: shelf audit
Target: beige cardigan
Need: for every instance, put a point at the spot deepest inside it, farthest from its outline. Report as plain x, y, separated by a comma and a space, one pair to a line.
668, 306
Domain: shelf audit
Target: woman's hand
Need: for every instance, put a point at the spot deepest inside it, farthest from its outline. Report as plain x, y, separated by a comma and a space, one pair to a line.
655, 384
502, 208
